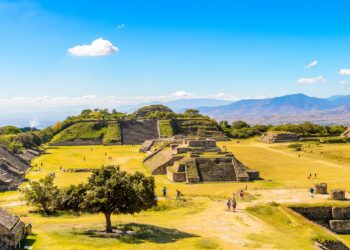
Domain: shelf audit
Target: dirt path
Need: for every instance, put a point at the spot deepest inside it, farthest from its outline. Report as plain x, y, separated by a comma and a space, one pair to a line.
234, 228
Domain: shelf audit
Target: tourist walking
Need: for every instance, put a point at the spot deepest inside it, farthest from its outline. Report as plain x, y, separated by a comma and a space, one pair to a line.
164, 192
228, 204
312, 190
234, 204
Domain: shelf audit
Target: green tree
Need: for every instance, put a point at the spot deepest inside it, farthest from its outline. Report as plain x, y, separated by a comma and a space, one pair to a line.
43, 194
191, 112
239, 125
112, 191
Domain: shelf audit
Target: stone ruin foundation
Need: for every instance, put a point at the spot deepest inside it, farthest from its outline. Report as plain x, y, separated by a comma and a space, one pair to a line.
336, 218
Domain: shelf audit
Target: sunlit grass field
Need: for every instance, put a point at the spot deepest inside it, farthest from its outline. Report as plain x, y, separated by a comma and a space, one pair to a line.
201, 222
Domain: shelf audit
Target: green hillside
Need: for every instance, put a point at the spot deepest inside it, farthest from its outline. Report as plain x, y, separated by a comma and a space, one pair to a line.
106, 132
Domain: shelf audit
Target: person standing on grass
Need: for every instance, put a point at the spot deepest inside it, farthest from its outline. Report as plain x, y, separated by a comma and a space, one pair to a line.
228, 204
178, 194
241, 194
234, 204
164, 192
312, 190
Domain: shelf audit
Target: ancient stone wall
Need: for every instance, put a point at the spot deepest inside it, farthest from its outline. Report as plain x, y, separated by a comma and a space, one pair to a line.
78, 143
135, 132
201, 143
215, 169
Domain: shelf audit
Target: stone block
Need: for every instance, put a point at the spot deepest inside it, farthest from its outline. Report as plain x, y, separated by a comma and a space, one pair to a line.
341, 213
321, 188
337, 194
340, 226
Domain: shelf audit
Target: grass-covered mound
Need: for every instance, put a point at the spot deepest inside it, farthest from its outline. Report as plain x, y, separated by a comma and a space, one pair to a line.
99, 132
83, 131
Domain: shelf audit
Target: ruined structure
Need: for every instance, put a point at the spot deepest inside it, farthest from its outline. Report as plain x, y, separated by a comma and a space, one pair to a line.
335, 218
13, 168
12, 230
275, 137
196, 160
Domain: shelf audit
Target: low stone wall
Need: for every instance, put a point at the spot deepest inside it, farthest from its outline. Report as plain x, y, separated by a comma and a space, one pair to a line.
201, 143
77, 143
315, 213
336, 219
176, 177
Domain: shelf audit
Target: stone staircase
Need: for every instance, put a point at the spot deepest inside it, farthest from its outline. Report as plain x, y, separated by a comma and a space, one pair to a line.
158, 162
146, 146
13, 181
136, 132
14, 160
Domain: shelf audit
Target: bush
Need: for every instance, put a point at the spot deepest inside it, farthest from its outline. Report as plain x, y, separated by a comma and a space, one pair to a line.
296, 146
333, 140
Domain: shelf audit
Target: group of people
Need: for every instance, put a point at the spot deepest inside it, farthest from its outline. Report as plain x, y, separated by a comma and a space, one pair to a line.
178, 193
232, 203
310, 176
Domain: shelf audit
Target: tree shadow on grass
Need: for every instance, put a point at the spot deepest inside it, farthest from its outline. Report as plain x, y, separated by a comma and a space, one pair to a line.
134, 233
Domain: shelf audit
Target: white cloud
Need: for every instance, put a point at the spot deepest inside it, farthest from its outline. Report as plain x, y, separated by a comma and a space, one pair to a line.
311, 80
121, 26
343, 82
312, 64
101, 102
344, 72
99, 47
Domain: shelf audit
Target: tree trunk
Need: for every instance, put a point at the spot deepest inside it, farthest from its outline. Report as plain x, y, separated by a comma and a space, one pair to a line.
108, 223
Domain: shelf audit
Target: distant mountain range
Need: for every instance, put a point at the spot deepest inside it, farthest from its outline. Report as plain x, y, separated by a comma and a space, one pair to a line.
294, 108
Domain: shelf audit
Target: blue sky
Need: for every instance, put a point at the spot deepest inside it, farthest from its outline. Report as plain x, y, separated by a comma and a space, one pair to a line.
171, 49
